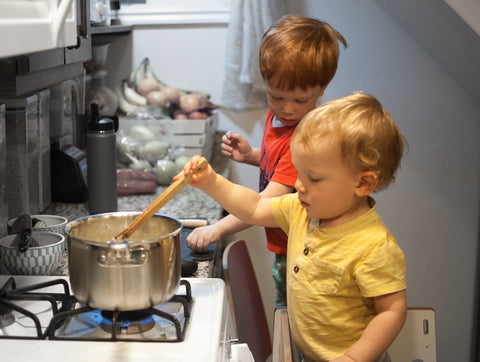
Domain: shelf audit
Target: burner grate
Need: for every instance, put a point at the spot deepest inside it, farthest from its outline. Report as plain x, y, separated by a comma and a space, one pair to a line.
9, 293
68, 310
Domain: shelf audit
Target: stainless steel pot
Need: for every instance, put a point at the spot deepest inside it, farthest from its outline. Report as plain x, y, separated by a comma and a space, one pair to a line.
123, 276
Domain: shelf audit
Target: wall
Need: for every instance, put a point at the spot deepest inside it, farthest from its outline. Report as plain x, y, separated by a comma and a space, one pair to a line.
433, 208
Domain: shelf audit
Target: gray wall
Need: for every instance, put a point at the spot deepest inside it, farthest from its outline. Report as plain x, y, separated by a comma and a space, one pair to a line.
433, 208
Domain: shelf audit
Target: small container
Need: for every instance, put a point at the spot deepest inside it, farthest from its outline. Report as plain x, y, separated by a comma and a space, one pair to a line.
100, 12
102, 162
51, 223
114, 10
43, 259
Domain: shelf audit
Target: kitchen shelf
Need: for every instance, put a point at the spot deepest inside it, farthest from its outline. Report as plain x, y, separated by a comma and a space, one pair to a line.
112, 29
102, 35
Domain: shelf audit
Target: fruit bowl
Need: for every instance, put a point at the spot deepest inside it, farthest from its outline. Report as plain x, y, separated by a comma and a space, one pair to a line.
43, 259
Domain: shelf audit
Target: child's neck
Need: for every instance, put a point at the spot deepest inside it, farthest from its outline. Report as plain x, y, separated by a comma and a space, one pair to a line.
358, 209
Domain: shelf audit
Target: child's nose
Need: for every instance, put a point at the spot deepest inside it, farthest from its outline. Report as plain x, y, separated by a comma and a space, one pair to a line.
288, 108
299, 186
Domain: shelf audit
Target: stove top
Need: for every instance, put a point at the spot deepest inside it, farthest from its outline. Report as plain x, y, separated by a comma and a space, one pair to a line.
194, 326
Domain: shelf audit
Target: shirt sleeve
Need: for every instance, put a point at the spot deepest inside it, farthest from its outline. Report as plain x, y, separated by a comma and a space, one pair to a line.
283, 209
382, 270
285, 172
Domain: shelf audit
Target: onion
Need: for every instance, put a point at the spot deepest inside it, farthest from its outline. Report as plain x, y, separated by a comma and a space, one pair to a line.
171, 93
141, 132
164, 170
181, 161
157, 98
147, 85
180, 115
202, 101
197, 115
140, 165
154, 150
189, 103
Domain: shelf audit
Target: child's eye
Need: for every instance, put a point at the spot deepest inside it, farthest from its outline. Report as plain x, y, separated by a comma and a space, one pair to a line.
301, 101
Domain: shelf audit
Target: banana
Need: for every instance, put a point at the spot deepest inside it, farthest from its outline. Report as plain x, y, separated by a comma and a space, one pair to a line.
145, 70
123, 104
151, 74
138, 74
132, 96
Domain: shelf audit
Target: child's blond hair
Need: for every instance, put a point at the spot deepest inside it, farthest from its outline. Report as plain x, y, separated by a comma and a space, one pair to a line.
299, 52
369, 137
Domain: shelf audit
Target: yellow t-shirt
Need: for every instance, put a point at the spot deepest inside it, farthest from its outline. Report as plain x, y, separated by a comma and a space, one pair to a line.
333, 275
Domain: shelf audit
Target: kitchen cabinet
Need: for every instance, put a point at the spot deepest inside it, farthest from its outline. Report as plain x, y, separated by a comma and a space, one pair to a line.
24, 74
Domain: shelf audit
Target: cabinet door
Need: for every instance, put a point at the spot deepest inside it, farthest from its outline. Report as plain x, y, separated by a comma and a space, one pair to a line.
82, 50
36, 25
24, 74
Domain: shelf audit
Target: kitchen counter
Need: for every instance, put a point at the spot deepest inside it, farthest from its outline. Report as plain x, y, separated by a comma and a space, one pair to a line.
188, 203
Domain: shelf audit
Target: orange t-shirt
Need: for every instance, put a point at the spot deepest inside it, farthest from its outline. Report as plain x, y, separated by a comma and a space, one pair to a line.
276, 165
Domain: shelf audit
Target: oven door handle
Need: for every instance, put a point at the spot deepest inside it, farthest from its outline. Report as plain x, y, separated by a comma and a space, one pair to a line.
59, 19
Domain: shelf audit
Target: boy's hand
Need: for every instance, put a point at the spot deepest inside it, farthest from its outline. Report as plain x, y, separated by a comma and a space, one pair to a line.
200, 238
200, 178
236, 147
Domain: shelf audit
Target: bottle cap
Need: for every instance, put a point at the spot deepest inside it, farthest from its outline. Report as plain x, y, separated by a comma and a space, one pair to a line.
101, 123
115, 5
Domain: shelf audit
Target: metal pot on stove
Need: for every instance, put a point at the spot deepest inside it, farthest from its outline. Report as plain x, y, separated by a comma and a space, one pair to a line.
138, 274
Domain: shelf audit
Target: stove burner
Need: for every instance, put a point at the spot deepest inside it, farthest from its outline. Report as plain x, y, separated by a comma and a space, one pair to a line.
71, 320
6, 319
131, 322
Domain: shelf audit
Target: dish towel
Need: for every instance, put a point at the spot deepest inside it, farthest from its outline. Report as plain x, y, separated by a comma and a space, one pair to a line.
243, 85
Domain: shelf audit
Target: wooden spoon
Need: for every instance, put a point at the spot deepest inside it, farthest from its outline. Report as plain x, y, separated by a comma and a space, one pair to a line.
160, 201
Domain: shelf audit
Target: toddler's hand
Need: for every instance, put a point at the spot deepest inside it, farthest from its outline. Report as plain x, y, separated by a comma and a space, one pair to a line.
236, 147
200, 178
200, 238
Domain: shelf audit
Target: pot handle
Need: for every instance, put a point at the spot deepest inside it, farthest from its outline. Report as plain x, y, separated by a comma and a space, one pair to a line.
123, 256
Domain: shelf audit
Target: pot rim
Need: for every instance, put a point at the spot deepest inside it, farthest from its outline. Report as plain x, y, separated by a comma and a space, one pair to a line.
111, 243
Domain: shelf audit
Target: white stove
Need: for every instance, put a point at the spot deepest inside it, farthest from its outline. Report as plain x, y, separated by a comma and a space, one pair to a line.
206, 334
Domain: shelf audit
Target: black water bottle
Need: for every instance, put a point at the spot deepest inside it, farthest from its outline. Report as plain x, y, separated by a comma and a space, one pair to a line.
101, 162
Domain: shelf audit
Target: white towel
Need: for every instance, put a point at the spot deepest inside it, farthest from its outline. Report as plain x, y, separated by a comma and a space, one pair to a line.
243, 85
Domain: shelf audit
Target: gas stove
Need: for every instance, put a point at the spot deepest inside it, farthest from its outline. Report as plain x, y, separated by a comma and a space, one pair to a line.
39, 318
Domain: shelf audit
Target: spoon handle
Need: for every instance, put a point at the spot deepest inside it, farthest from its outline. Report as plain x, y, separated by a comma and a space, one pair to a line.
160, 201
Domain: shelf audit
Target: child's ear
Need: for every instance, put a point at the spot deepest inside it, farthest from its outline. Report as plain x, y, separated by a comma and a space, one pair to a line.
367, 183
